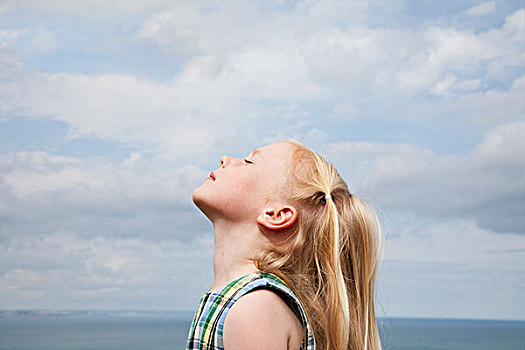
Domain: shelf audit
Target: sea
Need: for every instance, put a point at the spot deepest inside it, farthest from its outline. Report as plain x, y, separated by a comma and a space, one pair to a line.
140, 330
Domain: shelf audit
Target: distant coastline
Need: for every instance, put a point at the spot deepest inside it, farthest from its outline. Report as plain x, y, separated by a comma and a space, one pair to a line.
175, 314
47, 313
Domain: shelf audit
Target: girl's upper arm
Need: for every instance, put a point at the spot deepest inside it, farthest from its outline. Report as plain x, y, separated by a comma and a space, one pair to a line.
261, 320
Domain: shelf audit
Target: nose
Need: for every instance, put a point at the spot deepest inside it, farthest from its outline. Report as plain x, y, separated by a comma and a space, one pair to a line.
225, 160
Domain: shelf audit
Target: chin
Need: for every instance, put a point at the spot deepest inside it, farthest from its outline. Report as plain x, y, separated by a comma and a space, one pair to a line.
197, 196
207, 203
199, 199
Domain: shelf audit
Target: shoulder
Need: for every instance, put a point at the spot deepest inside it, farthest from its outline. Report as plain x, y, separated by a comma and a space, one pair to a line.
261, 320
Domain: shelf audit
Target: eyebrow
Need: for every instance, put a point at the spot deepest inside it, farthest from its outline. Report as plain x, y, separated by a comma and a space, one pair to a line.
256, 152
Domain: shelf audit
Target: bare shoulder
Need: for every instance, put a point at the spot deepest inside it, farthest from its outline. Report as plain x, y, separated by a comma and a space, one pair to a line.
261, 320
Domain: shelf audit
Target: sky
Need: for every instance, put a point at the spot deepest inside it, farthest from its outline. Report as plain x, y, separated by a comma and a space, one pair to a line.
113, 111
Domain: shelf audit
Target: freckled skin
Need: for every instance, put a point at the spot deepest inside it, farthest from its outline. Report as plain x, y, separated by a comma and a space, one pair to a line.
240, 189
236, 200
257, 315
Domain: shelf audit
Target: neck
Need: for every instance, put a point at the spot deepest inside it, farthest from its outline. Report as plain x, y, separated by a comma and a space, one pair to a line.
234, 248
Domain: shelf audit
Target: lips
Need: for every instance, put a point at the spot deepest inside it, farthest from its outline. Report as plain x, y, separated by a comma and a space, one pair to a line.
212, 176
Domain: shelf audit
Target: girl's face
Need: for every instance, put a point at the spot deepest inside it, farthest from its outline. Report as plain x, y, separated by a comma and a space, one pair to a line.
239, 189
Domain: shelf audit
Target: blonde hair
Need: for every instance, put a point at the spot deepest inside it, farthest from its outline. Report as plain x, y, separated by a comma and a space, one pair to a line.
332, 259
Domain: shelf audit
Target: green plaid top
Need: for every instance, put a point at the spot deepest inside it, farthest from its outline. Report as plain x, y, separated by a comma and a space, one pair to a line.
207, 327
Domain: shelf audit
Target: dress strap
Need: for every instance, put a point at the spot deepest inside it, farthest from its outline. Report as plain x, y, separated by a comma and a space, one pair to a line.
207, 327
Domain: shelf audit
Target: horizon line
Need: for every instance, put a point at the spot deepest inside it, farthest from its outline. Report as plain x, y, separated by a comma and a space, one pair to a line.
48, 312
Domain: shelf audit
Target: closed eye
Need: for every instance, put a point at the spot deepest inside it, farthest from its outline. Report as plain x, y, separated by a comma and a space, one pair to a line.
248, 161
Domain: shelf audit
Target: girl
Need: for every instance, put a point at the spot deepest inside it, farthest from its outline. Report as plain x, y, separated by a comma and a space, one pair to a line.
295, 256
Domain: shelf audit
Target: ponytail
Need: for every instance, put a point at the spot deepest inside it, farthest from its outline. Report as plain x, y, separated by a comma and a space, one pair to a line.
331, 263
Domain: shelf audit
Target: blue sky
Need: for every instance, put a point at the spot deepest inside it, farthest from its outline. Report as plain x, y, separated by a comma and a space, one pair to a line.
111, 112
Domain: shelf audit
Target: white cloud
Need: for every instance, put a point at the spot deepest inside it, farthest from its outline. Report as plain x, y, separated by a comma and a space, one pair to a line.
490, 107
179, 40
467, 85
42, 193
482, 9
44, 42
445, 263
205, 104
342, 59
58, 270
43, 172
518, 84
229, 81
442, 87
93, 9
8, 35
503, 149
345, 110
486, 184
456, 242
120, 108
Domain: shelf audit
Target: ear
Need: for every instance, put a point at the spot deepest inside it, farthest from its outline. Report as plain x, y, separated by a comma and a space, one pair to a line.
278, 218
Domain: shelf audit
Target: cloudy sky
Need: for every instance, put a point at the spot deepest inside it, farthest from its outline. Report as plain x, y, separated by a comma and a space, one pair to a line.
112, 111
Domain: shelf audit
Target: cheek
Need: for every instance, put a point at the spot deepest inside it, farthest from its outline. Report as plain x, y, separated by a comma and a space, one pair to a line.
239, 198
246, 195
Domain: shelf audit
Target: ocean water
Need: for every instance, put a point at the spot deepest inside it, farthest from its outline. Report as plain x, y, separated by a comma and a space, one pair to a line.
99, 331
443, 334
159, 331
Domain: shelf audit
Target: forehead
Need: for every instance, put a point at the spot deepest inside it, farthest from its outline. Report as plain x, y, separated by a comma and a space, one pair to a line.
274, 162
278, 150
